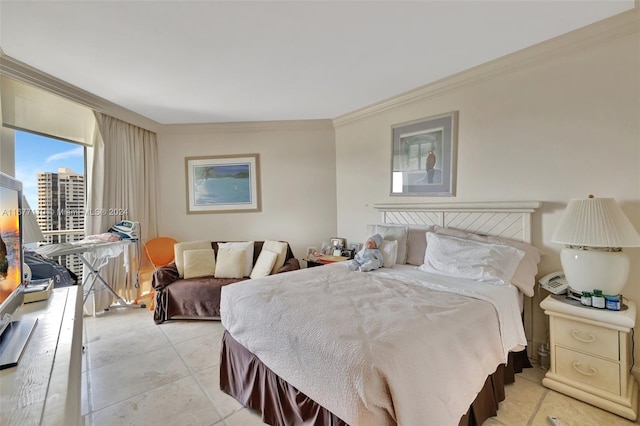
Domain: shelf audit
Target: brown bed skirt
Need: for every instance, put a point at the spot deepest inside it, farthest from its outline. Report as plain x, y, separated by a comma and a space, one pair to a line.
248, 380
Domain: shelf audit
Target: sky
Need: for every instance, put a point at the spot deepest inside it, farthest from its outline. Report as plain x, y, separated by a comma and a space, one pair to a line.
36, 153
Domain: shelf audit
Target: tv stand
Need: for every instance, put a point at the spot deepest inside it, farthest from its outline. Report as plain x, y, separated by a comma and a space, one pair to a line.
45, 387
13, 341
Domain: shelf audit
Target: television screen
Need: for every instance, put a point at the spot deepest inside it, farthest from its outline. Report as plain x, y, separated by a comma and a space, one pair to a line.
10, 244
14, 333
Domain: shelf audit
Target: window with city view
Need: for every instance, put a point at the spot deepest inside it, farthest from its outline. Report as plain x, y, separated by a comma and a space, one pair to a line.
52, 172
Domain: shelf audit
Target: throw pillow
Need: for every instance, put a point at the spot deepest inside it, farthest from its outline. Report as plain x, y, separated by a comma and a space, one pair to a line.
230, 263
247, 246
199, 263
389, 251
278, 247
264, 264
180, 248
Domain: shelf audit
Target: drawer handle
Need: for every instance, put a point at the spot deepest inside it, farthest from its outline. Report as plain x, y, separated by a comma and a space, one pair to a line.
577, 335
578, 367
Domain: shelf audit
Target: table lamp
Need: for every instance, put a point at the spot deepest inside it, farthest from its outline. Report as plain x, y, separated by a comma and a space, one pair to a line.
594, 230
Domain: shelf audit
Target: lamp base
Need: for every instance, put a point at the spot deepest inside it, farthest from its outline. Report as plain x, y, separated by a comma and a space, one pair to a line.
587, 270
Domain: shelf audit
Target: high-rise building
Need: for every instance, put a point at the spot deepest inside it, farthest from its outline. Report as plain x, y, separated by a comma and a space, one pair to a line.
61, 207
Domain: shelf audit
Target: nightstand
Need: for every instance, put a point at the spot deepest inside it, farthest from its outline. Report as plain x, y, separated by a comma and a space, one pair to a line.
591, 355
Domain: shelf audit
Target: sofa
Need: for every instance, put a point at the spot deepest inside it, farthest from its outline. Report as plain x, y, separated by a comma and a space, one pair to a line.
179, 297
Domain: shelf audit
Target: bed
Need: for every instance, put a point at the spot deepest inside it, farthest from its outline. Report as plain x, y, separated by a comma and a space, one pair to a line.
402, 345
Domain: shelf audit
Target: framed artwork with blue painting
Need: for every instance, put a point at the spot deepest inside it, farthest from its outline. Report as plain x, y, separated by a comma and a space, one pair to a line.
223, 184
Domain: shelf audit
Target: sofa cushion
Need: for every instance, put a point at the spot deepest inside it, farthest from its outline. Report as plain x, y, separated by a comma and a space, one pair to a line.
264, 264
199, 263
230, 263
247, 246
278, 247
179, 249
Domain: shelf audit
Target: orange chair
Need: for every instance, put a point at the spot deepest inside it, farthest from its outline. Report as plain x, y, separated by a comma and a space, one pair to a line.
159, 252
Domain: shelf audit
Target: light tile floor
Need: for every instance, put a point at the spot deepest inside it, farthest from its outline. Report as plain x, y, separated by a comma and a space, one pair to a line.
138, 373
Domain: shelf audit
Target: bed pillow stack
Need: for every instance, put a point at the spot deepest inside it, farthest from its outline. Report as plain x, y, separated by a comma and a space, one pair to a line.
470, 259
524, 276
392, 233
411, 240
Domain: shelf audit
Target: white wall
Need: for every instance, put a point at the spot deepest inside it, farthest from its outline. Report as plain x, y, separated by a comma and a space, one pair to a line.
297, 172
555, 122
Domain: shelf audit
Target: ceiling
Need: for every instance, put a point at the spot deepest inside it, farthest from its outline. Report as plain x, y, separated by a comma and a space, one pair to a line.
226, 61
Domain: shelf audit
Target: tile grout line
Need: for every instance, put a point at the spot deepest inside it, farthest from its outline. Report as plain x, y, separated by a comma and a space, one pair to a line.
91, 411
193, 375
538, 405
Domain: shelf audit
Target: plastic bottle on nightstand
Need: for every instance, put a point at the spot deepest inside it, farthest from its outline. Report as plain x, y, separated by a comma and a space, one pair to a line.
543, 357
597, 300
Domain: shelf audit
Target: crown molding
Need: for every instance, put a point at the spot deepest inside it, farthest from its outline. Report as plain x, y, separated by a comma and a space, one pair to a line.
247, 126
621, 25
12, 68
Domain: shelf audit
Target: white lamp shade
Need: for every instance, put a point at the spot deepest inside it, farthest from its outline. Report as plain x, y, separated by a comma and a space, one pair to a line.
595, 222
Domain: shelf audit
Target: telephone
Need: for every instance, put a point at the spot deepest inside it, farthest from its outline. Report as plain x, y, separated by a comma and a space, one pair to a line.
554, 282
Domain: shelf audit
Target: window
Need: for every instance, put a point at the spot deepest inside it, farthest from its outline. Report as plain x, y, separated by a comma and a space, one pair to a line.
52, 172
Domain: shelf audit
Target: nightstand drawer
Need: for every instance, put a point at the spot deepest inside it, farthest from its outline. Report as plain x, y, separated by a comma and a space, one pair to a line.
589, 370
587, 338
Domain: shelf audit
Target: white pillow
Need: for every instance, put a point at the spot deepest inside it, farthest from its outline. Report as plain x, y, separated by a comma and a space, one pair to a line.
199, 263
230, 263
278, 247
390, 233
475, 260
264, 264
389, 251
179, 249
525, 276
247, 246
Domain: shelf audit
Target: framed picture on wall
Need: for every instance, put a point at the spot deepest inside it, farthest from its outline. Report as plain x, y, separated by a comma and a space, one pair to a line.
223, 184
423, 160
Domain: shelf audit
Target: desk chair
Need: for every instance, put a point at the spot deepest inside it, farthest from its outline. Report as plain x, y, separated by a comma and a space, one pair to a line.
159, 252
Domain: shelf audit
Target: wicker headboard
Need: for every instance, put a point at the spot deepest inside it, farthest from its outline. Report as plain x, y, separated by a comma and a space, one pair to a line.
504, 219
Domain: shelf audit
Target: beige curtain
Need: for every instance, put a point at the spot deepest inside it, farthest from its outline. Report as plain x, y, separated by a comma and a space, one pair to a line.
122, 168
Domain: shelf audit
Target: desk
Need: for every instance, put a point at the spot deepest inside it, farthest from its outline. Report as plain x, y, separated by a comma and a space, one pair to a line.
45, 388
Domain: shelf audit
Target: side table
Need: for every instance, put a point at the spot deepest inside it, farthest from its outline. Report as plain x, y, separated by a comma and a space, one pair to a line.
591, 355
325, 260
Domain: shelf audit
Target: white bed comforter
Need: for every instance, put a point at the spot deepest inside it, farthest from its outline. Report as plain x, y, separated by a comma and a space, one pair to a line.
377, 348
